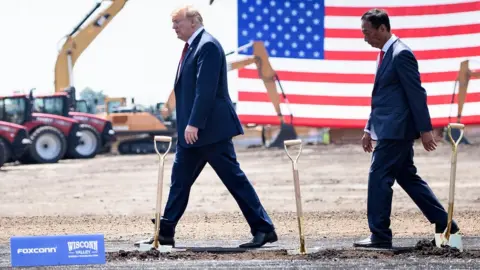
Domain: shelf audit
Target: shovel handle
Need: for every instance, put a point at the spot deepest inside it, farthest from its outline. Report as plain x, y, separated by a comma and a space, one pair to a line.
453, 170
288, 143
162, 138
158, 210
165, 139
292, 142
459, 126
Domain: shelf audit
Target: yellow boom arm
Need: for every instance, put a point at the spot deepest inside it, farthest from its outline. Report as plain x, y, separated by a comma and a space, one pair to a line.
265, 72
79, 39
464, 76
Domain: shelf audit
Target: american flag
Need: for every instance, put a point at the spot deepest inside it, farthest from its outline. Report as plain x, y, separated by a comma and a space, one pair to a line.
327, 70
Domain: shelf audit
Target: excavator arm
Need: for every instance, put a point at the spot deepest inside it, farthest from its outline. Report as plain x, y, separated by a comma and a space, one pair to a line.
265, 72
79, 39
464, 76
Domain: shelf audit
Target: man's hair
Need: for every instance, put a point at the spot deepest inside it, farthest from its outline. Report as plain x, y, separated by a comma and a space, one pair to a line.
190, 12
377, 17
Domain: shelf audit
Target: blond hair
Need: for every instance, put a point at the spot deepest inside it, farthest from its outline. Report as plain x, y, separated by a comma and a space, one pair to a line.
189, 12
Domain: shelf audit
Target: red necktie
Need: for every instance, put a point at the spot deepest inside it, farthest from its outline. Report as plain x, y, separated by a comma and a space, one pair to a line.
382, 53
185, 48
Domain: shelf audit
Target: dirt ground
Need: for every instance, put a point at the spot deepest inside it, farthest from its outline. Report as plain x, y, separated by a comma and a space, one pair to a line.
115, 195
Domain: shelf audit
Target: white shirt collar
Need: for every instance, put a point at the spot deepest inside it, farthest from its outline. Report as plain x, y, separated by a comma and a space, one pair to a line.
389, 43
194, 35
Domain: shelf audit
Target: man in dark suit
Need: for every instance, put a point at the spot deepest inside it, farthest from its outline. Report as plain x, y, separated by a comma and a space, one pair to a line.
398, 117
206, 123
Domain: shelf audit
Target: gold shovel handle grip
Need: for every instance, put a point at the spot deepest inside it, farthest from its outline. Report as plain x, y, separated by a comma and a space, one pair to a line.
456, 125
162, 138
459, 126
296, 142
292, 142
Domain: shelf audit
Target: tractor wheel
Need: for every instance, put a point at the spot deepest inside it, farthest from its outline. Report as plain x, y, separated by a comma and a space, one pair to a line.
89, 144
48, 145
3, 153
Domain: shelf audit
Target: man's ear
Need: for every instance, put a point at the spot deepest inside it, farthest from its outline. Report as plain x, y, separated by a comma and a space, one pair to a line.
382, 28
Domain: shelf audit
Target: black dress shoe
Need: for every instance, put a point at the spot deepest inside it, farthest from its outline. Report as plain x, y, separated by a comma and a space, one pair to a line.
369, 243
441, 228
260, 239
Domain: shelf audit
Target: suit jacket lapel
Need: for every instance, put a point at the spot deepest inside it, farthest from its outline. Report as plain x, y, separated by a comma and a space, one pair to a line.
190, 49
386, 60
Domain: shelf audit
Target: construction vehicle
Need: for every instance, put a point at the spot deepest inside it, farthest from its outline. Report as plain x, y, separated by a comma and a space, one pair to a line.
53, 137
135, 126
97, 133
14, 139
465, 74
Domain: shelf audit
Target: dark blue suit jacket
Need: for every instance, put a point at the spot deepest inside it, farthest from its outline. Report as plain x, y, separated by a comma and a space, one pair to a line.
201, 94
399, 102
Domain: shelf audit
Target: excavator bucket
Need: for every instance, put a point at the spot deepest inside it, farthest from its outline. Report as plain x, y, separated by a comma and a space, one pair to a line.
274, 136
464, 76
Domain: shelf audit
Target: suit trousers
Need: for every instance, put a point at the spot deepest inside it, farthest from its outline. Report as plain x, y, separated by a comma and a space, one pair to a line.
188, 164
393, 160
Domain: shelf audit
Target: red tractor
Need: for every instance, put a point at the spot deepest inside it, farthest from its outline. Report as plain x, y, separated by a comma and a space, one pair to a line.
14, 140
97, 132
52, 137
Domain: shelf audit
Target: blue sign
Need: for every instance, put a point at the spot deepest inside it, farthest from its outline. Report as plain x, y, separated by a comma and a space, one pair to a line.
57, 250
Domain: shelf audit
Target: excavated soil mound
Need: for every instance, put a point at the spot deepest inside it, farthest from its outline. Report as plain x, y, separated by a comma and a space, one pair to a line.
153, 254
426, 248
423, 248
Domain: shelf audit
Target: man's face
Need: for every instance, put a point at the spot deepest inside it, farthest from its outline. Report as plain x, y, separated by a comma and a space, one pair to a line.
183, 26
374, 37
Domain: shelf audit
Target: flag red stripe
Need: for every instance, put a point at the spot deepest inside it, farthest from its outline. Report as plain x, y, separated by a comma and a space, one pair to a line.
341, 123
420, 55
343, 100
406, 10
411, 32
343, 78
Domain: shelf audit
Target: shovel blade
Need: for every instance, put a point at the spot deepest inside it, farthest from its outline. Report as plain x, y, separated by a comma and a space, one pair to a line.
161, 249
454, 241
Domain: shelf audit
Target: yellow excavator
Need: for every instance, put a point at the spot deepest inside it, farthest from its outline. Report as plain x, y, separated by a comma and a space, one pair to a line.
79, 39
98, 134
135, 125
465, 74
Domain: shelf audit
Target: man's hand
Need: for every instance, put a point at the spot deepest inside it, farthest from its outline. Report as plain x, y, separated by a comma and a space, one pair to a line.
428, 141
367, 142
191, 134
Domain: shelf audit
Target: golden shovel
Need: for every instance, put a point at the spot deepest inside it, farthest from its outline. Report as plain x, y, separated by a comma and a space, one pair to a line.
445, 238
158, 210
296, 182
